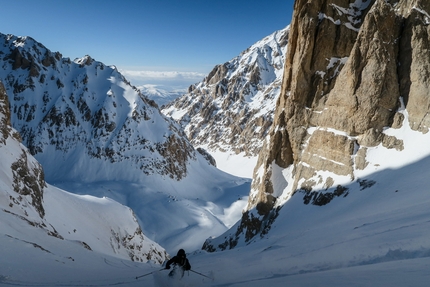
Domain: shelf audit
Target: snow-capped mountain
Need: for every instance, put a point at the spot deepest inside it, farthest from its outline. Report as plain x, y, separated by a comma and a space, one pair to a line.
230, 112
94, 133
83, 111
34, 213
160, 95
350, 113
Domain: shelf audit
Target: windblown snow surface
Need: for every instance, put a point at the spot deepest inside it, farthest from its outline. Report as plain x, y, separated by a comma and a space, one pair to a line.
376, 235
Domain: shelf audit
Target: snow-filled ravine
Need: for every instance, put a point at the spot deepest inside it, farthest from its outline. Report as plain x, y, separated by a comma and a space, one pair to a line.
375, 236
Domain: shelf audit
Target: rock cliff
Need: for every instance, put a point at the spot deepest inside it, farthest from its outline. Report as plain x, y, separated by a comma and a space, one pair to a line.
353, 70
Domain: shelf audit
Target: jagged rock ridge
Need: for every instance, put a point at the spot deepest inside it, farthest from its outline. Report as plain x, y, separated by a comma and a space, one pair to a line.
232, 108
353, 70
84, 111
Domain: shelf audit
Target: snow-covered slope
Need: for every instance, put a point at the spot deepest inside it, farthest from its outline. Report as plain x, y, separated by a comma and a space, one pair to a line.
33, 213
374, 234
230, 112
94, 133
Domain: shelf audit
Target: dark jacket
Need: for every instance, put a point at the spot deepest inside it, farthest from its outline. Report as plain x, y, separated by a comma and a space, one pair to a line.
180, 260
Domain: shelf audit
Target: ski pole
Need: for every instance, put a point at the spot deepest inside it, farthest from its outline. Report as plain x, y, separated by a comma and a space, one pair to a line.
137, 277
201, 274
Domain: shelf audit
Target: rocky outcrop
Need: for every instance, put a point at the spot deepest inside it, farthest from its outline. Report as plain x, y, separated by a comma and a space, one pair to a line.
5, 125
27, 176
351, 66
29, 181
232, 108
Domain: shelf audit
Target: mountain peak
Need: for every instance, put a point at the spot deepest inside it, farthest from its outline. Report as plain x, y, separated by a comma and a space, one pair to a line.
231, 110
84, 61
78, 101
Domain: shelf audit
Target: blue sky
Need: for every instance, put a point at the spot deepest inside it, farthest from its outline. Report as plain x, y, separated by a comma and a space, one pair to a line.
166, 38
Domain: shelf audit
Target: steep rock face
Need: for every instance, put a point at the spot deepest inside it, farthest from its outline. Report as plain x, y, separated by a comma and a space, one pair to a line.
232, 108
414, 65
29, 205
83, 111
323, 34
351, 66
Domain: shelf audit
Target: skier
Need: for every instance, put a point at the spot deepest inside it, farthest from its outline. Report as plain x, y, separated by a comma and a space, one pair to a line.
180, 264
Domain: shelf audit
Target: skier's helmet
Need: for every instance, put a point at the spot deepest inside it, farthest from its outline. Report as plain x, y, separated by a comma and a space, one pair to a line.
181, 253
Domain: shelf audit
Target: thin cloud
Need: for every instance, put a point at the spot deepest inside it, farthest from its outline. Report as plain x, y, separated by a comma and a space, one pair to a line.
163, 74
173, 79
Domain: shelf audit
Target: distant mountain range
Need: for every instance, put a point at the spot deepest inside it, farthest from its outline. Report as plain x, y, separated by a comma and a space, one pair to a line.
160, 95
